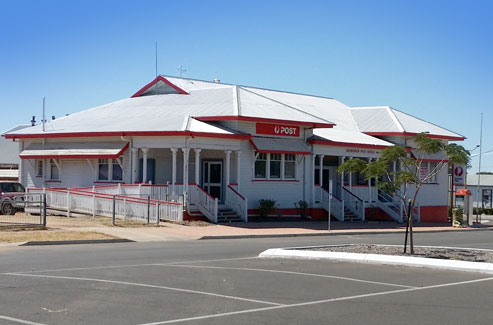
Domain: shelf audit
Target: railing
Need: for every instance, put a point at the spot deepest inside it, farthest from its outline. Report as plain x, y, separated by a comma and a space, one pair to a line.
390, 206
336, 205
119, 206
353, 203
237, 202
207, 204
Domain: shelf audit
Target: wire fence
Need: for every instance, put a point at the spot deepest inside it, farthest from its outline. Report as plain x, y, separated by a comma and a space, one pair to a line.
27, 209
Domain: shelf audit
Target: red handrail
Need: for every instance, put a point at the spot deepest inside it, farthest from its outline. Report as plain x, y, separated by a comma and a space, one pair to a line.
236, 192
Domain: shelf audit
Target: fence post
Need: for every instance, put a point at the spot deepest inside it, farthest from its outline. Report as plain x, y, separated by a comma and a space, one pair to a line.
157, 212
68, 204
44, 210
125, 208
148, 208
113, 211
94, 205
215, 210
140, 190
246, 210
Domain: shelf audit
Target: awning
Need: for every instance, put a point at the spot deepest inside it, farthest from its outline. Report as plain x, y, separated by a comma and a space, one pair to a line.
75, 151
276, 145
431, 157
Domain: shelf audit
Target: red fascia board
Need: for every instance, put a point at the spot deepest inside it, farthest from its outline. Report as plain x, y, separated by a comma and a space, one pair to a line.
155, 81
346, 144
128, 133
279, 151
261, 119
435, 136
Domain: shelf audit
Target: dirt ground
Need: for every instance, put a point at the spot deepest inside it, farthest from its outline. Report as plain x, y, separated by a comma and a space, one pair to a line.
470, 255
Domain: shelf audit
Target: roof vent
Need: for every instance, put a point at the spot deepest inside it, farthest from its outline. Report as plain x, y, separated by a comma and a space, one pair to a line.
216, 80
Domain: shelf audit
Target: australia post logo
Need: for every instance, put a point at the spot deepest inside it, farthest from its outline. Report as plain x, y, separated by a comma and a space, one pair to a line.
278, 129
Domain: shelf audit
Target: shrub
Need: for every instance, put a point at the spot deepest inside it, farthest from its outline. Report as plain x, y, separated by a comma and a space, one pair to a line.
266, 207
458, 214
302, 207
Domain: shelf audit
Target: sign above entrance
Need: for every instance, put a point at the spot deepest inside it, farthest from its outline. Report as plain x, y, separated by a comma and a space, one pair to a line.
278, 129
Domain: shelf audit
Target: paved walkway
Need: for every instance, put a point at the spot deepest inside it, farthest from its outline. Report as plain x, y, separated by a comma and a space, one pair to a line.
259, 229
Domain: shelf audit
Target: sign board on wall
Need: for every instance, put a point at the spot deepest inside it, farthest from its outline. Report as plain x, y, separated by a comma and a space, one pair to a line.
459, 175
278, 129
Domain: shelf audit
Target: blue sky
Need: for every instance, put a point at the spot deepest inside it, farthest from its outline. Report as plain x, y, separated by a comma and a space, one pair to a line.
431, 59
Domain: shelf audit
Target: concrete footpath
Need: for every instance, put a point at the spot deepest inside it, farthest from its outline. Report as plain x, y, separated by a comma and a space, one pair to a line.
169, 231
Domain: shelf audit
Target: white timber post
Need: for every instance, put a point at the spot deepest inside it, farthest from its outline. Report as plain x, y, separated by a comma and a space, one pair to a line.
145, 151
93, 204
238, 170
135, 164
68, 203
185, 172
313, 178
227, 171
320, 174
173, 170
197, 166
342, 178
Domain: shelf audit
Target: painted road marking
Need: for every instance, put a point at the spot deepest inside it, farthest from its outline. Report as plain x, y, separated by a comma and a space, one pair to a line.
20, 321
292, 272
147, 286
314, 302
130, 265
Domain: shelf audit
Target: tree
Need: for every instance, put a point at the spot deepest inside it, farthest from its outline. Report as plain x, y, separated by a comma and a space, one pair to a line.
413, 171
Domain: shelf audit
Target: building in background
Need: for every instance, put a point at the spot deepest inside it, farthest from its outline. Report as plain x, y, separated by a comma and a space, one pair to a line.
9, 157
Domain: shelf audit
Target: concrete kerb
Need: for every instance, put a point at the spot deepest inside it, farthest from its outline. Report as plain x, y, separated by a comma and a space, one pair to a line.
433, 263
338, 233
74, 242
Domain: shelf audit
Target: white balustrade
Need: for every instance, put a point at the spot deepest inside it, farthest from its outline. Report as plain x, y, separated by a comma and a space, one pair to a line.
237, 202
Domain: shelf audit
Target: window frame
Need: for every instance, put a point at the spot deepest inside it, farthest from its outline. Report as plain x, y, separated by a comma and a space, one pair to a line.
268, 163
111, 163
54, 165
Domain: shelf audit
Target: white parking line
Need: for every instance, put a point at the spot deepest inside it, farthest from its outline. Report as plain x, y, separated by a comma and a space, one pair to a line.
147, 286
291, 272
20, 321
314, 302
130, 265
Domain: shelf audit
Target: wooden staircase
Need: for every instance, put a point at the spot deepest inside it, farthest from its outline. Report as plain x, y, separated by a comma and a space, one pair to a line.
227, 215
350, 216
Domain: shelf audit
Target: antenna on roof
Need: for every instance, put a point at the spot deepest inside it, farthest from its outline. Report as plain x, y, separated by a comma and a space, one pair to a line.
43, 118
181, 70
156, 59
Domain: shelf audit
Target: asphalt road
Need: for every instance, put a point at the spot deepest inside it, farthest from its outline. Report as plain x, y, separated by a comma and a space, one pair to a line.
223, 282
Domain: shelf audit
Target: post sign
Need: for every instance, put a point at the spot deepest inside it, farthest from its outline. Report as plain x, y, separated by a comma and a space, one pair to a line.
278, 129
459, 175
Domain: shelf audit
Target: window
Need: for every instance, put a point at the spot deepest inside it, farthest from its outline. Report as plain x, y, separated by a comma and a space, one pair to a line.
261, 166
103, 171
39, 168
279, 166
275, 165
426, 169
289, 166
109, 170
54, 171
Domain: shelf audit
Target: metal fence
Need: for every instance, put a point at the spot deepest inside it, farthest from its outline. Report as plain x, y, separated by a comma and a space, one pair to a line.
28, 209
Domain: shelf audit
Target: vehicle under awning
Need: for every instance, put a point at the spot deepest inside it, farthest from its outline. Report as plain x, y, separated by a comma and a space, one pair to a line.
75, 151
276, 145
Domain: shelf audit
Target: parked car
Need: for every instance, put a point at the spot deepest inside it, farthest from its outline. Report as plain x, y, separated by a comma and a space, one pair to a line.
10, 194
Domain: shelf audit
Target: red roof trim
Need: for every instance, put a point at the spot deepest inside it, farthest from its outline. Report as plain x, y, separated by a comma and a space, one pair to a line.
261, 119
435, 136
279, 151
128, 133
93, 156
155, 81
346, 144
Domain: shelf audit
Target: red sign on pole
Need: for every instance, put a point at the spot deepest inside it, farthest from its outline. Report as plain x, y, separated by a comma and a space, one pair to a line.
278, 129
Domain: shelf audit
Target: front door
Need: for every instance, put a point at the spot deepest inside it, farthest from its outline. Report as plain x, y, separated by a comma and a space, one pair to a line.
212, 178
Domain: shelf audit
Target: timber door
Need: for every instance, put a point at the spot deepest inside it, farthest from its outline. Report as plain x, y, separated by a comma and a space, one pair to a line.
212, 178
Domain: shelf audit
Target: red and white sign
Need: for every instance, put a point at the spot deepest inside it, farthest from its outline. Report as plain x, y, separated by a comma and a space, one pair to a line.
278, 129
459, 175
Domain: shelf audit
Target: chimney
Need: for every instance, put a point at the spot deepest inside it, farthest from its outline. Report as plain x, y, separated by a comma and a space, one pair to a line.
33, 121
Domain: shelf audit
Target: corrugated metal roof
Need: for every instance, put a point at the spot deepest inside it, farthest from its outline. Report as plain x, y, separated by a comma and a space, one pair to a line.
345, 136
385, 119
74, 150
275, 145
9, 173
